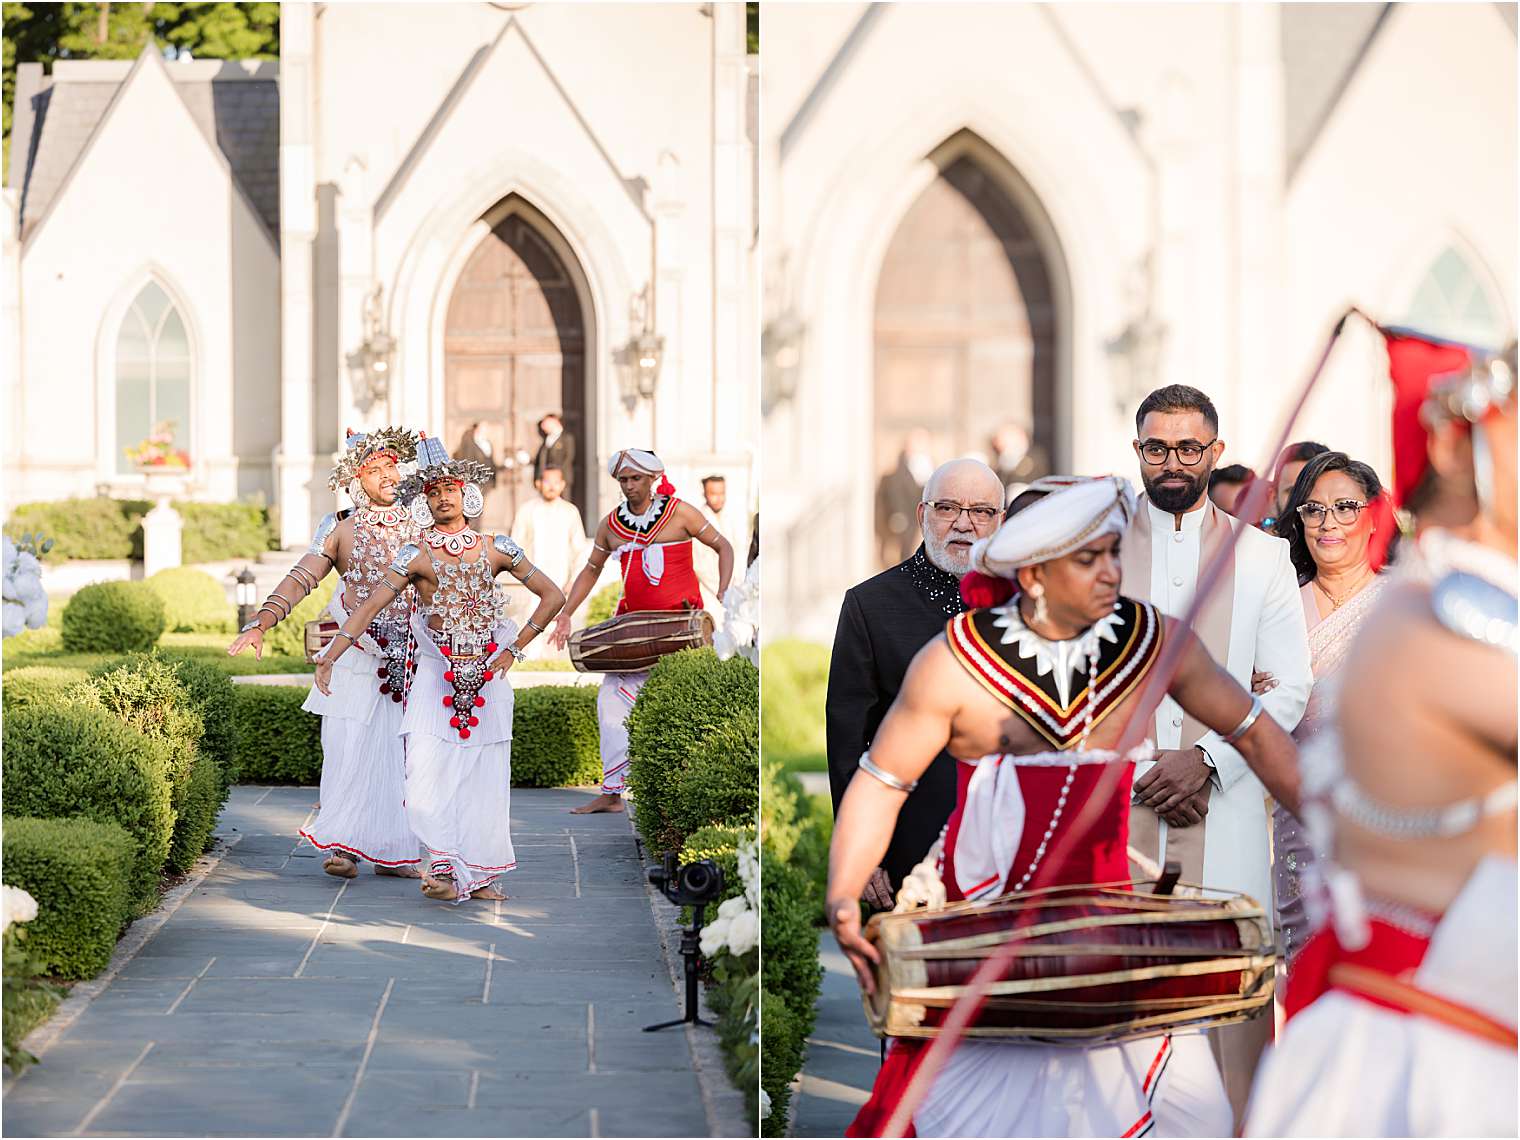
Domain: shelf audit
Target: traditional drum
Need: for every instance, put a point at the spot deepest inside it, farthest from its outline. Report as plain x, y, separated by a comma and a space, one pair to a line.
633, 642
1090, 964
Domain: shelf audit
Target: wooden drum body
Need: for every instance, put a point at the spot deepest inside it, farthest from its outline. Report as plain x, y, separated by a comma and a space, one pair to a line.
633, 642
1090, 965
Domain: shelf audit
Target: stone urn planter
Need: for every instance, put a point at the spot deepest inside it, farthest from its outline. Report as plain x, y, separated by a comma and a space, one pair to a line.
163, 525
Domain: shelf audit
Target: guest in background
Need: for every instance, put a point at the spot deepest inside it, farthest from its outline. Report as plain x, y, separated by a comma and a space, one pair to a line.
897, 498
1284, 475
1017, 460
556, 450
550, 529
475, 445
1329, 529
729, 521
1227, 485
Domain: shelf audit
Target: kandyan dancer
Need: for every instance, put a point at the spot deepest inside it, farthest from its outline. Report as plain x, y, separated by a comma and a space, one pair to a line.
362, 813
458, 723
1031, 695
651, 532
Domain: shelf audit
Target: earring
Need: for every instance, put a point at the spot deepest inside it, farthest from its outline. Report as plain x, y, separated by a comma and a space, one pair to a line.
420, 513
1037, 592
474, 502
357, 493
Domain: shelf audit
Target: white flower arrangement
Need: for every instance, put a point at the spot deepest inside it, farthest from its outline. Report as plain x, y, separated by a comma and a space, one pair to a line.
765, 1105
739, 630
25, 602
16, 905
736, 930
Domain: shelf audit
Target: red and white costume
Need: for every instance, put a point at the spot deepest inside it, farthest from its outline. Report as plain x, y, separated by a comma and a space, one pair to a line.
657, 575
1009, 810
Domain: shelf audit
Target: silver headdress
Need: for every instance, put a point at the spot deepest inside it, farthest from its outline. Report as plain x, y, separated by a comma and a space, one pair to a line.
361, 447
435, 466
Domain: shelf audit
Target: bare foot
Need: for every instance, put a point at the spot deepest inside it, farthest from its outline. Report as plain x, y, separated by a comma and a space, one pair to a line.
340, 865
490, 894
403, 872
443, 890
603, 802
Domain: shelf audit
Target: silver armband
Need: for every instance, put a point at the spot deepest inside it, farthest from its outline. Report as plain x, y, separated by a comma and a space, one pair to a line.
504, 545
1245, 724
401, 564
328, 524
871, 768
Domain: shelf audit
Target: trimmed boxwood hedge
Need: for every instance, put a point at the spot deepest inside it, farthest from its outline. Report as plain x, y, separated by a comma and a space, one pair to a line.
719, 783
77, 760
277, 741
195, 818
782, 1050
603, 604
194, 601
38, 684
214, 696
112, 528
796, 683
554, 737
112, 617
689, 696
79, 872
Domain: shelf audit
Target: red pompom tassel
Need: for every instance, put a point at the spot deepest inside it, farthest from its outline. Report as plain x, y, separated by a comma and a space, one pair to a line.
385, 687
474, 720
447, 701
489, 673
379, 672
448, 676
446, 651
464, 734
665, 487
480, 702
980, 590
453, 722
490, 647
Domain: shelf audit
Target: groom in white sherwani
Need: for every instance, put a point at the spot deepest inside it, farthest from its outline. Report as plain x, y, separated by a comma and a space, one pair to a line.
1199, 803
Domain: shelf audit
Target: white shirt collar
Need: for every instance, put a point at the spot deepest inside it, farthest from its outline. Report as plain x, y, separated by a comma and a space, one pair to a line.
1161, 521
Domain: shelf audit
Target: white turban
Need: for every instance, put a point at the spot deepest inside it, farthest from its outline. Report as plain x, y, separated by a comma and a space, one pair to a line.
644, 462
1075, 512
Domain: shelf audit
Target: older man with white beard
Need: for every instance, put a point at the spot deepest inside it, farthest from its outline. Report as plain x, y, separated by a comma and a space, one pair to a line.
883, 622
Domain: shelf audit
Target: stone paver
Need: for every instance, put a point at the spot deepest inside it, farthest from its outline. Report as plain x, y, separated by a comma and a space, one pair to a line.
843, 1054
279, 1001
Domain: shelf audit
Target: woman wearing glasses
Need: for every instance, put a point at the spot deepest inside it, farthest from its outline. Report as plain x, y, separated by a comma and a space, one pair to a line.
1329, 529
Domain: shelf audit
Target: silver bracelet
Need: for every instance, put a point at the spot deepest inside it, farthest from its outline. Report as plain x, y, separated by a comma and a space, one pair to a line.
871, 768
1244, 725
344, 633
534, 625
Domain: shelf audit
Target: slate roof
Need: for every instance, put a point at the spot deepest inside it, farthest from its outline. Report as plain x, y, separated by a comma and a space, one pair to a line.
56, 118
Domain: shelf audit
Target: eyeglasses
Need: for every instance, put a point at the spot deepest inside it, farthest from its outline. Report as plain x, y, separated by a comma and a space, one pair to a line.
1154, 452
945, 511
1346, 512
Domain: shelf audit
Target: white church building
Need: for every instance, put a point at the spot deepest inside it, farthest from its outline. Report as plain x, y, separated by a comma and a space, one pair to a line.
432, 214
1036, 213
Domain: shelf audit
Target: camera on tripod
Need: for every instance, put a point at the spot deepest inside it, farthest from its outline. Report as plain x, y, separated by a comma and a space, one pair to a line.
695, 884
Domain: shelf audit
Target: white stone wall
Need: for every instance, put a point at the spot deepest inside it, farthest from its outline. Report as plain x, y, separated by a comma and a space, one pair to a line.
1249, 270
149, 198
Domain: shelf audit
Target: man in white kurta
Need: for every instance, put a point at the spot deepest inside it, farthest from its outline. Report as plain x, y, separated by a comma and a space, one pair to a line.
550, 529
1199, 803
729, 522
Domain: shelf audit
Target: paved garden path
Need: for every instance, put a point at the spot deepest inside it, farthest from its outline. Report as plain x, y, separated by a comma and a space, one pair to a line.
279, 1001
843, 1054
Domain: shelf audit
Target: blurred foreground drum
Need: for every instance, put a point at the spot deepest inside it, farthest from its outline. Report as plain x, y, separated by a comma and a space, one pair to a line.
633, 642
1089, 965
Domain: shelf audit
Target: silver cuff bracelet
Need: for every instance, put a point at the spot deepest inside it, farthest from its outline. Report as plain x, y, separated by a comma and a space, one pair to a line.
871, 768
1244, 725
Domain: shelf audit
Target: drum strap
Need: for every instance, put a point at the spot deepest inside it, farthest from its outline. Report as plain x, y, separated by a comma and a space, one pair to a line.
1388, 991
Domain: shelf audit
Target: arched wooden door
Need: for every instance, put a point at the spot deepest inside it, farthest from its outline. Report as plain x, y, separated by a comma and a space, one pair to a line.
515, 351
964, 341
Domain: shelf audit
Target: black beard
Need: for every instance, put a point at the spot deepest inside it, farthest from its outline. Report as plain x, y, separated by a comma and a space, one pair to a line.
1175, 500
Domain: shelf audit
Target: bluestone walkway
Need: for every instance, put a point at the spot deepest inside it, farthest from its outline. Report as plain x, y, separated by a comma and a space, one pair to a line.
843, 1054
279, 1001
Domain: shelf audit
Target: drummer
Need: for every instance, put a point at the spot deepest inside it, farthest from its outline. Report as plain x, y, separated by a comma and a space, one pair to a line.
651, 532
1021, 692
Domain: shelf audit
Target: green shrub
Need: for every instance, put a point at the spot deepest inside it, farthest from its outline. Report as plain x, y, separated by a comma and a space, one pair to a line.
554, 737
215, 532
78, 761
214, 696
721, 780
113, 617
37, 684
688, 696
80, 874
28, 1000
734, 999
783, 1046
80, 528
277, 741
194, 601
195, 821
604, 603
781, 803
288, 639
146, 693
791, 702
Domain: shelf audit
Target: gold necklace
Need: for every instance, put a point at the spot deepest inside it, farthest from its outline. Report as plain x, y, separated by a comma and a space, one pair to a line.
1336, 603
